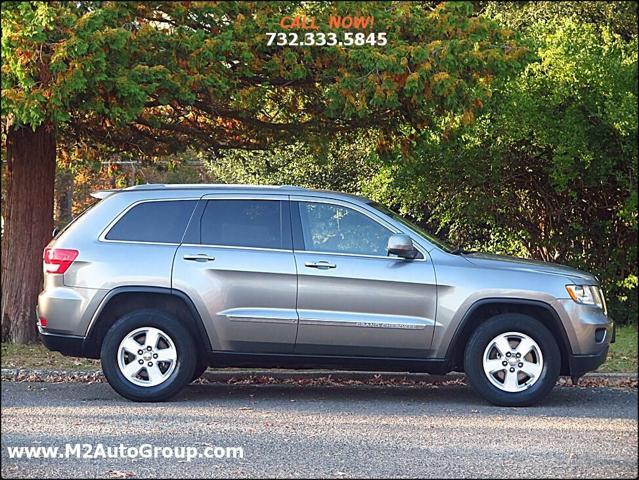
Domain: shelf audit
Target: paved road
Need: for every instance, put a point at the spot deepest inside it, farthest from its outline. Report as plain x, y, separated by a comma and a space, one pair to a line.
327, 431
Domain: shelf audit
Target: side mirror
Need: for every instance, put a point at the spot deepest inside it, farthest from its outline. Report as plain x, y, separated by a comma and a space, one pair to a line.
401, 245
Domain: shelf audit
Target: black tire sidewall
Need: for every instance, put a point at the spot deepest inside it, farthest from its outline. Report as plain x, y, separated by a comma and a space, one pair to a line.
512, 322
200, 368
182, 339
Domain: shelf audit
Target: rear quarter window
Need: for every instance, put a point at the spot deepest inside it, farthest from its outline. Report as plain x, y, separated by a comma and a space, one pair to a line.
154, 221
74, 220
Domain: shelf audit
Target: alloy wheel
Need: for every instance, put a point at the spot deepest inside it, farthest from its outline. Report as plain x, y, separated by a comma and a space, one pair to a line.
147, 356
513, 361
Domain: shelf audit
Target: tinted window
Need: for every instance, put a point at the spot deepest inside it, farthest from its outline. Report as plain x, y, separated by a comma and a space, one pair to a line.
414, 227
333, 228
154, 222
243, 223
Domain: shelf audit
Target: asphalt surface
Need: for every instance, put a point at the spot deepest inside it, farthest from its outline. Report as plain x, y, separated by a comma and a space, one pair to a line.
326, 431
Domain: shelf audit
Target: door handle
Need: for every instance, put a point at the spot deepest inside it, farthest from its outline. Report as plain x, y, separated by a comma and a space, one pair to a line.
200, 257
322, 264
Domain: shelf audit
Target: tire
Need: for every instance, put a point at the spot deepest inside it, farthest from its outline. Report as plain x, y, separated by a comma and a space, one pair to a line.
163, 379
200, 368
502, 387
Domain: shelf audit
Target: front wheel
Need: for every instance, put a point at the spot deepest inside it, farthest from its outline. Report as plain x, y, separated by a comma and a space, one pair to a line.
148, 355
512, 360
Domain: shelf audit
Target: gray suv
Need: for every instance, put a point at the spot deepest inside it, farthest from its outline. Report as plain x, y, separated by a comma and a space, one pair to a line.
161, 281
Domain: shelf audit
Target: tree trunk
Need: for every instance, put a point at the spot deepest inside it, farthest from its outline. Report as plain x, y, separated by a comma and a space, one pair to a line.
28, 226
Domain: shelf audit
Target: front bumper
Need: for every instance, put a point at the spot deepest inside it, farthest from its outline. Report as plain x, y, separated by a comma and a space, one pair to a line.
581, 364
589, 329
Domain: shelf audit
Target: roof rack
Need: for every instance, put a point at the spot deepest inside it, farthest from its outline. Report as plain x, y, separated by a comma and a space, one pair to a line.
146, 186
177, 186
184, 186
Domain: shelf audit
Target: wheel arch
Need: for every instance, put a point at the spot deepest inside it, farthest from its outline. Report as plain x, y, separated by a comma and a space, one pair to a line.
123, 299
486, 308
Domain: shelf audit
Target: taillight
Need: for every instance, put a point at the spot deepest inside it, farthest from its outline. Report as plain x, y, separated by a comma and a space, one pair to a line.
58, 260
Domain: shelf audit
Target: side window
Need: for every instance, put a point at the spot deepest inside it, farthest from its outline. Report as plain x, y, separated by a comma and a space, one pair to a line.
161, 221
244, 223
337, 229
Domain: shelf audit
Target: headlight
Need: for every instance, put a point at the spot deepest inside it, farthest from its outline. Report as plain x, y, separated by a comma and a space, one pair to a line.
587, 295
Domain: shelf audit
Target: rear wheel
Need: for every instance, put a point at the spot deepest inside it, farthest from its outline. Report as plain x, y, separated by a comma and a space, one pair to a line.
148, 355
512, 360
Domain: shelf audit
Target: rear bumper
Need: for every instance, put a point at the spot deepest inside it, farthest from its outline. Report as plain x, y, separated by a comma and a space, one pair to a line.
69, 310
581, 364
65, 344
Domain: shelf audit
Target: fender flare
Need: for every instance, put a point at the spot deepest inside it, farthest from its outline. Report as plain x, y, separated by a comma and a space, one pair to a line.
155, 290
513, 301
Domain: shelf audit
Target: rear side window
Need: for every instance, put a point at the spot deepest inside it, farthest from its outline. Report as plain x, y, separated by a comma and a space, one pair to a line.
245, 223
160, 222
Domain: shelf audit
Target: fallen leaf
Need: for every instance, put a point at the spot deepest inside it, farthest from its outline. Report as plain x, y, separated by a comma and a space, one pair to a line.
120, 474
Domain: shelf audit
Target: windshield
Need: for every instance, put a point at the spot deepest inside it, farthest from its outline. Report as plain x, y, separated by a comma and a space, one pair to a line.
415, 228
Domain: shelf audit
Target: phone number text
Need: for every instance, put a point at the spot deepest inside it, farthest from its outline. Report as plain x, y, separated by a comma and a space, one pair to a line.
331, 39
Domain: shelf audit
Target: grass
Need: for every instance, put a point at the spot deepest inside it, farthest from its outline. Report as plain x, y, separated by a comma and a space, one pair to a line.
37, 356
622, 356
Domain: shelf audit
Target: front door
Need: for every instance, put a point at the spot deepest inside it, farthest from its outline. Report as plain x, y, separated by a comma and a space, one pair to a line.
239, 269
353, 299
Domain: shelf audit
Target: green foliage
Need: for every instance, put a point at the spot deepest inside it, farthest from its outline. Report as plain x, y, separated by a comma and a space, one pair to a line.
618, 16
158, 77
57, 57
344, 165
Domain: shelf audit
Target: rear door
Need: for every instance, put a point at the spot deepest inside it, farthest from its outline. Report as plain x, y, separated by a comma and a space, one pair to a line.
353, 299
237, 265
